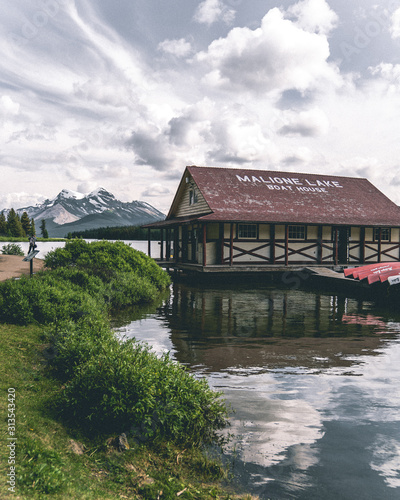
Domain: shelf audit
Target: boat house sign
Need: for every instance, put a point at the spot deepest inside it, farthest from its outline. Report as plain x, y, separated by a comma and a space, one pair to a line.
291, 183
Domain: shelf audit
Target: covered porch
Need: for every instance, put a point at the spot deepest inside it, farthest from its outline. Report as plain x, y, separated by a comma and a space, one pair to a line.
211, 246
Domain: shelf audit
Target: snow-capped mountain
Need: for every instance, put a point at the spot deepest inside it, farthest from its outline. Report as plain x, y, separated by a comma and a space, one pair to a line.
70, 211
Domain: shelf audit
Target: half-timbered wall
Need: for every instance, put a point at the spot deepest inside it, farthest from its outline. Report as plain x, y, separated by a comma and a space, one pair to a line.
384, 251
241, 250
327, 246
271, 244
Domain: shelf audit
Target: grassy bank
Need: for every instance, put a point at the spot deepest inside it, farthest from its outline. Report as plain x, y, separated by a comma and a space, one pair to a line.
47, 462
96, 418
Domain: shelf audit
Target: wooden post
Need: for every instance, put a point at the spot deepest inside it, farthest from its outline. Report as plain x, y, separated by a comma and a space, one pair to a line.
286, 245
168, 244
231, 247
362, 245
176, 243
320, 243
162, 245
380, 245
272, 249
221, 242
204, 245
336, 256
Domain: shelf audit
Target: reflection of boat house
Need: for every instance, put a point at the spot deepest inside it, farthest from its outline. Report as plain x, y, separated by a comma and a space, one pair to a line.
234, 217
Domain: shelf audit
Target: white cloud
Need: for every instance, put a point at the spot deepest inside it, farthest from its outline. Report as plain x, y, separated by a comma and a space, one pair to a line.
156, 189
395, 24
102, 92
211, 11
315, 16
310, 123
277, 56
178, 48
20, 199
238, 139
8, 107
387, 73
189, 127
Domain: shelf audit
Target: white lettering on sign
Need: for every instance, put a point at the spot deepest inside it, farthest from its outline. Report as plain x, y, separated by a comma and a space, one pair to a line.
286, 183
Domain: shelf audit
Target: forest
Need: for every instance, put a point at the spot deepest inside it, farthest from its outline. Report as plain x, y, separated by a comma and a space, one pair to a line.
116, 233
15, 225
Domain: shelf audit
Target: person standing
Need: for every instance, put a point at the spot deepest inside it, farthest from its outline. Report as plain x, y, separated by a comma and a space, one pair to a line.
32, 244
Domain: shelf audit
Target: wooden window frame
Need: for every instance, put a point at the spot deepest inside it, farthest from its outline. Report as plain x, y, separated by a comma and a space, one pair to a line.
193, 198
387, 230
240, 228
296, 229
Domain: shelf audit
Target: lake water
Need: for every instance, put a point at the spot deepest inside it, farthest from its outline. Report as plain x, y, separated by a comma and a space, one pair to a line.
313, 379
45, 247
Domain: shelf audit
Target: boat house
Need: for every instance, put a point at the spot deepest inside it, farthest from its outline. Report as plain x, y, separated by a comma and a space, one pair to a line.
228, 217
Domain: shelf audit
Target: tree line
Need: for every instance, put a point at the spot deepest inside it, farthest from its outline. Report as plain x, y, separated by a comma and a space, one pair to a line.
116, 233
20, 226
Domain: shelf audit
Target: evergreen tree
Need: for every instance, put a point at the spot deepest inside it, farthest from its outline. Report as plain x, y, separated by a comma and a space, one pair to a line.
26, 223
33, 228
43, 229
14, 226
3, 224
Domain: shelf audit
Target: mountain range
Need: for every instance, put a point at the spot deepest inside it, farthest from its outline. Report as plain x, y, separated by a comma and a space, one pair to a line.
70, 212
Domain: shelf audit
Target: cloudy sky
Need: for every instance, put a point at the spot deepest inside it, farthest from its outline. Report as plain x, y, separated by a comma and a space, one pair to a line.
124, 94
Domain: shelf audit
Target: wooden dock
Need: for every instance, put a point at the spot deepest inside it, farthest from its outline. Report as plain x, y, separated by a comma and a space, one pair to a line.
335, 280
329, 279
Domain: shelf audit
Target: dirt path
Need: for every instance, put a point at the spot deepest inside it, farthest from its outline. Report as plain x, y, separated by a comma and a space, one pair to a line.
12, 266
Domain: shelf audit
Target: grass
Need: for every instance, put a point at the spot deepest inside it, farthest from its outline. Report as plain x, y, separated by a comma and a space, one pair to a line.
20, 239
46, 466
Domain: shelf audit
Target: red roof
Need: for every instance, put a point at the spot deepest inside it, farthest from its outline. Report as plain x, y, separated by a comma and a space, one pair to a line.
269, 196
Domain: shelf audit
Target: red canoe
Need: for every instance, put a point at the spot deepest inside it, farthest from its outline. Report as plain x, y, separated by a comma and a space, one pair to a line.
378, 272
364, 271
383, 276
353, 271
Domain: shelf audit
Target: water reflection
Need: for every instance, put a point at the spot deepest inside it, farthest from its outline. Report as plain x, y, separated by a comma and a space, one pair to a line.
313, 380
268, 328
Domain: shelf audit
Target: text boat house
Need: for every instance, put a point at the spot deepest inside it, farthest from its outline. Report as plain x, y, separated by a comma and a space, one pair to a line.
235, 217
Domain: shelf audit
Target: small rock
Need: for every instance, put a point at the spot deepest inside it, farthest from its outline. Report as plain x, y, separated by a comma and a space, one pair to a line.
120, 443
76, 447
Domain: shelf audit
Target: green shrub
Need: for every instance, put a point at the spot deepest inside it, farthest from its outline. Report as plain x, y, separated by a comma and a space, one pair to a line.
45, 299
129, 288
86, 278
12, 249
75, 342
106, 259
125, 387
110, 386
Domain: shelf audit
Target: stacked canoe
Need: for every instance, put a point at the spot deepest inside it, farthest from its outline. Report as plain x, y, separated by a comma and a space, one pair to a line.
376, 273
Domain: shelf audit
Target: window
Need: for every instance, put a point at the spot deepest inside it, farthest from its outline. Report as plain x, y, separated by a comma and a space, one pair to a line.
247, 231
192, 197
297, 232
385, 233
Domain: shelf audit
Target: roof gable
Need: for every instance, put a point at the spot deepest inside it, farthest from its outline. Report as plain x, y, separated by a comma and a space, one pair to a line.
271, 196
182, 205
